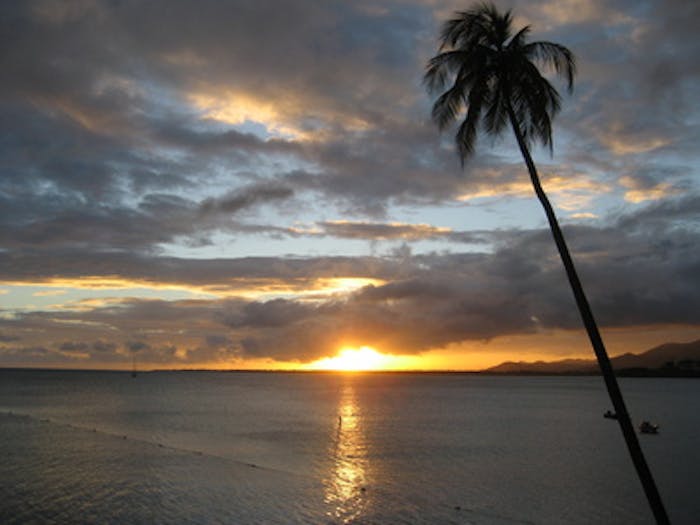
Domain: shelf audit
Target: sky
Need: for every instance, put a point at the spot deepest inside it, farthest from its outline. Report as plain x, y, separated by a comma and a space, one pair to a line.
259, 184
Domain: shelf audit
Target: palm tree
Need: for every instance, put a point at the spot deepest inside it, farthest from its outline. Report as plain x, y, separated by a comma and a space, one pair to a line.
489, 74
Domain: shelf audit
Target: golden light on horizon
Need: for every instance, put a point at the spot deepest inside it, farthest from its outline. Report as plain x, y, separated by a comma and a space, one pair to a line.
363, 359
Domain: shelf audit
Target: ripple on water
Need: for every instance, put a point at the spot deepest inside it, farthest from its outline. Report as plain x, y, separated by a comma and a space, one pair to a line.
52, 473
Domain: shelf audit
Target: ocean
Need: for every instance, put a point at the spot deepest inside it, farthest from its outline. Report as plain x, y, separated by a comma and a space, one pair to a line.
327, 448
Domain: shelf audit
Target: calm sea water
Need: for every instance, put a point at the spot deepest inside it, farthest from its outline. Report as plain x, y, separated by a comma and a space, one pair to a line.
210, 447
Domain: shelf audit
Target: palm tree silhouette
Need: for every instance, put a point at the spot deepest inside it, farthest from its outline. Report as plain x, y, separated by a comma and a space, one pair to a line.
490, 73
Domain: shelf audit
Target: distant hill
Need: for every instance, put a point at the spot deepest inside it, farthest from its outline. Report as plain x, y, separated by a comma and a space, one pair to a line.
666, 359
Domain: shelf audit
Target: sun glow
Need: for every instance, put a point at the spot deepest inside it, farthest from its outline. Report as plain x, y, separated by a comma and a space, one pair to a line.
361, 359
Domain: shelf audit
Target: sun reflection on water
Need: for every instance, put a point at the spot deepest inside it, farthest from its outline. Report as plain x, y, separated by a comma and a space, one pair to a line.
345, 487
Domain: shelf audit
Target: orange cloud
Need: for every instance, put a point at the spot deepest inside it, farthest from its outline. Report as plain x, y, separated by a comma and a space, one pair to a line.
49, 293
280, 117
622, 141
383, 231
238, 108
637, 193
571, 192
628, 145
254, 289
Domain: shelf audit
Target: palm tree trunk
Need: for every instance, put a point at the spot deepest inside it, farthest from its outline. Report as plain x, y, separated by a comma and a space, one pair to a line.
589, 322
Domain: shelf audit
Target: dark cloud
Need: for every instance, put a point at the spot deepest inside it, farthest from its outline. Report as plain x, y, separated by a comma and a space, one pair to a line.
32, 355
103, 347
31, 266
519, 289
132, 128
643, 271
7, 338
637, 87
70, 346
217, 341
245, 198
672, 215
136, 346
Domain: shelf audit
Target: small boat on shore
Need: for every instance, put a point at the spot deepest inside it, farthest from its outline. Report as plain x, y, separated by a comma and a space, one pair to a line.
648, 428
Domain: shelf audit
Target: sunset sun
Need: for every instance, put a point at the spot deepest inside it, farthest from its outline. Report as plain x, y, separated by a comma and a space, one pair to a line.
355, 360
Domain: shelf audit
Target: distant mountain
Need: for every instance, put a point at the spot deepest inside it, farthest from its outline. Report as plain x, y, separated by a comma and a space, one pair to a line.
677, 357
565, 366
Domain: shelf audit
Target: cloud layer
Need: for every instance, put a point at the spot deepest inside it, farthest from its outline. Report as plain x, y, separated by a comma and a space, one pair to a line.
210, 182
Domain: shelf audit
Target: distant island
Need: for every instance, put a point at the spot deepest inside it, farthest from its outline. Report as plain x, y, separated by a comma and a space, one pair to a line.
667, 360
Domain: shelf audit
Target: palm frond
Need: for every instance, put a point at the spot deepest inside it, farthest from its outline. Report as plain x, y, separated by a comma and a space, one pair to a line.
466, 134
441, 66
555, 56
535, 102
447, 107
467, 28
496, 115
501, 25
519, 39
482, 24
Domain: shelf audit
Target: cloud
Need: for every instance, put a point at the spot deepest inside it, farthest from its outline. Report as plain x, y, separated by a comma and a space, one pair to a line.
103, 347
142, 112
136, 346
8, 338
70, 346
100, 270
49, 293
245, 198
23, 355
382, 231
639, 272
640, 191
569, 190
133, 143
